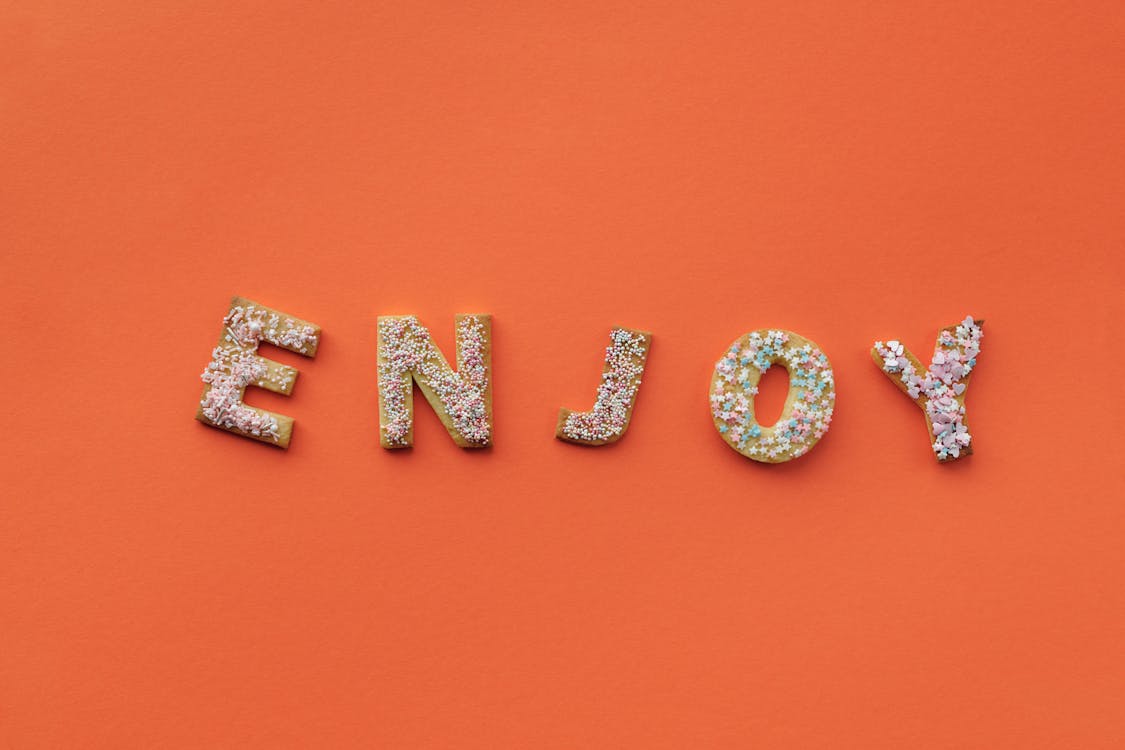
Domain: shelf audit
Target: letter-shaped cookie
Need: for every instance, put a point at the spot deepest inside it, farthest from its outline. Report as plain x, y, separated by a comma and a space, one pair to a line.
808, 407
621, 379
235, 365
462, 399
940, 390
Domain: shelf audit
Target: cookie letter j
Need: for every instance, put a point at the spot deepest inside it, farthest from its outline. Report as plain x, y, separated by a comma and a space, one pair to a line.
462, 399
235, 365
621, 379
940, 390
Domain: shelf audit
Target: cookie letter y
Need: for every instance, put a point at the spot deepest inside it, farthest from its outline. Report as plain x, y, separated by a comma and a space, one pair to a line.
940, 390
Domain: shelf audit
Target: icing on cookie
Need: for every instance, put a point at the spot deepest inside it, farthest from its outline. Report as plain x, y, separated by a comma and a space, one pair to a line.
807, 413
461, 398
235, 365
613, 408
939, 389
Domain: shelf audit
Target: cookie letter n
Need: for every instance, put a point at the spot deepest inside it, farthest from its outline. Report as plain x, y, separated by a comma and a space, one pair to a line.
462, 399
235, 365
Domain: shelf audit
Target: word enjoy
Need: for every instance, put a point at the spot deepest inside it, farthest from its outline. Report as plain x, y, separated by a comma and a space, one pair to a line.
462, 397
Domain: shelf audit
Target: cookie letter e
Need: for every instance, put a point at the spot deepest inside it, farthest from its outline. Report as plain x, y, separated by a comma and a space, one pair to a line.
808, 406
235, 365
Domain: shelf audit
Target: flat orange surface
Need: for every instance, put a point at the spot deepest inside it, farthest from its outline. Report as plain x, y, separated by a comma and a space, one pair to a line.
849, 171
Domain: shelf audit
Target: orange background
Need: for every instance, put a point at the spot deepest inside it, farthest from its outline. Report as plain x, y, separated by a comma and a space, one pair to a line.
847, 171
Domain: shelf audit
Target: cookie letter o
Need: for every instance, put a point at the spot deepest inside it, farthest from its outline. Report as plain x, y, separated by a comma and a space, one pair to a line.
808, 407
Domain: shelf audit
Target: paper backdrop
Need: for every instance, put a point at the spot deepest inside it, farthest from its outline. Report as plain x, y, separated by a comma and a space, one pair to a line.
849, 171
